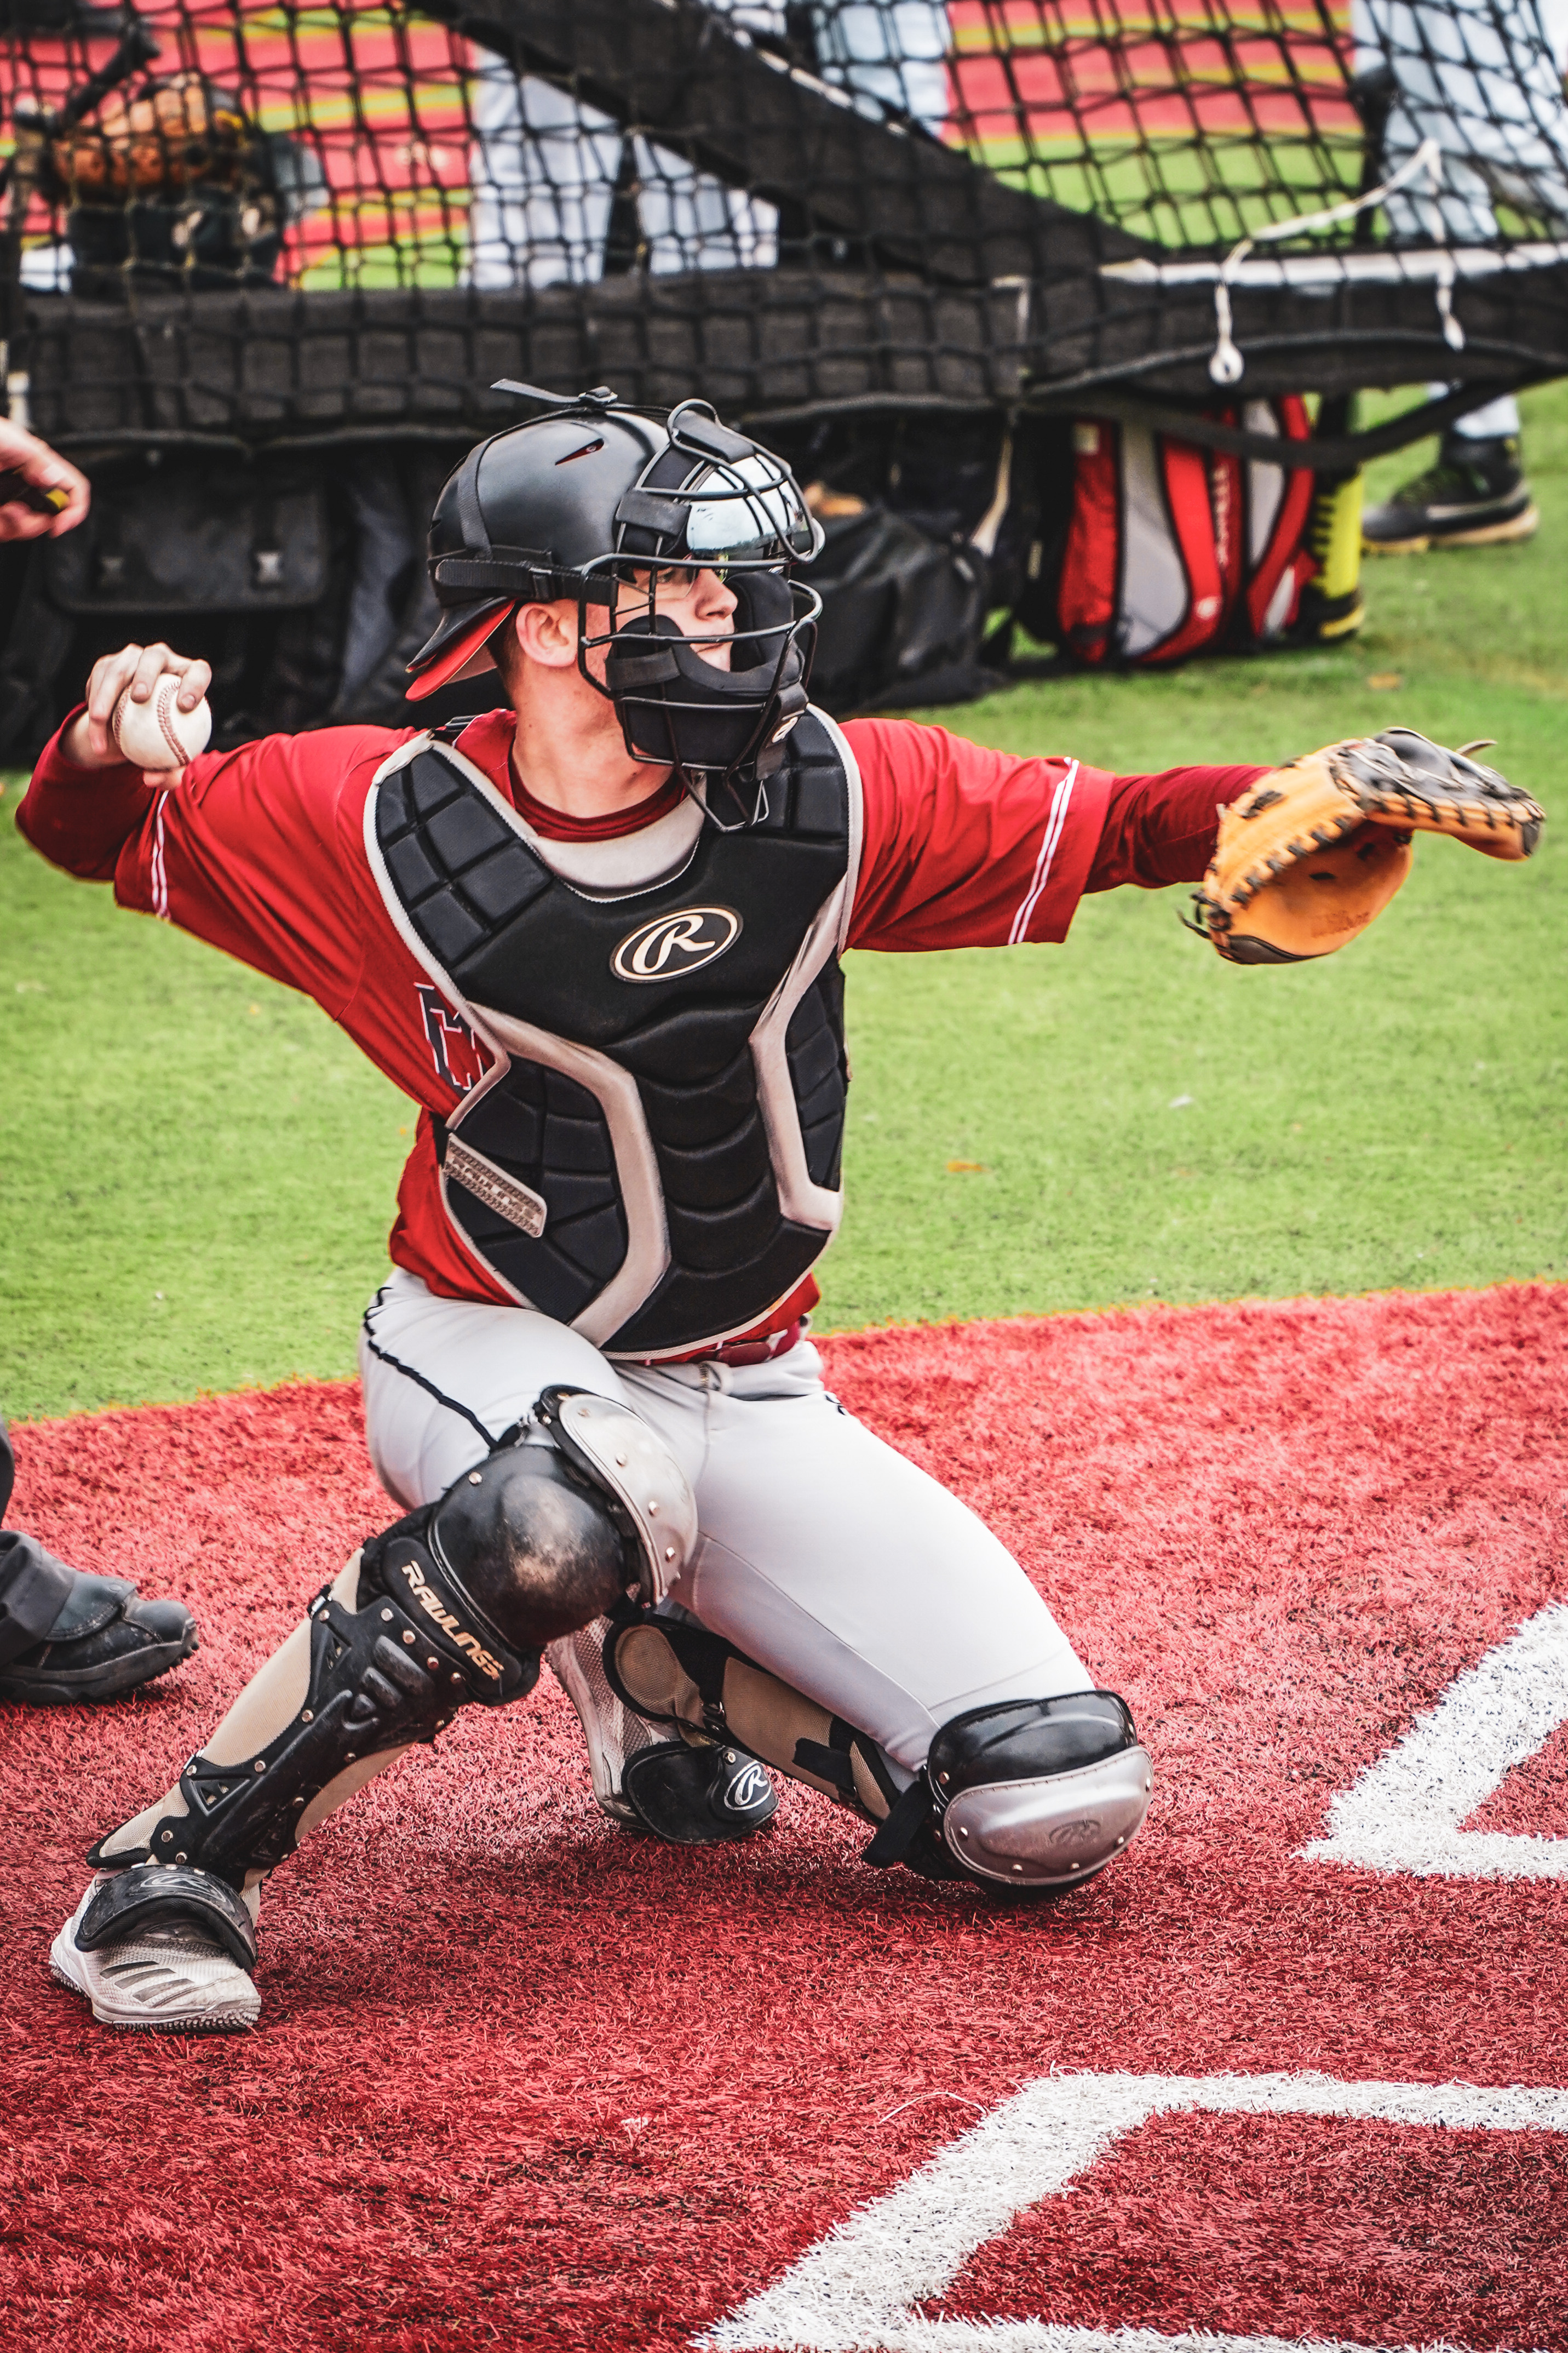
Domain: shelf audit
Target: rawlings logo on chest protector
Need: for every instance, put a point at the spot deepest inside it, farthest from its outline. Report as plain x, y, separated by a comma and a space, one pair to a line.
673, 945
656, 1166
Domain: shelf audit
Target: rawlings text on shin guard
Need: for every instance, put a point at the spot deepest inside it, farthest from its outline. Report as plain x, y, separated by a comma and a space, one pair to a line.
383, 1676
455, 1604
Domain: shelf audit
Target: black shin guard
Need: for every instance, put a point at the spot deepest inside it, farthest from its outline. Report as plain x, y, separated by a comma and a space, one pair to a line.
382, 1676
707, 1784
698, 1797
455, 1603
1025, 1797
845, 1761
701, 1656
855, 1767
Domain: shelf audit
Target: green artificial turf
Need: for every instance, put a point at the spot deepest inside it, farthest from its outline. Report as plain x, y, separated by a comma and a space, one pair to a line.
199, 1171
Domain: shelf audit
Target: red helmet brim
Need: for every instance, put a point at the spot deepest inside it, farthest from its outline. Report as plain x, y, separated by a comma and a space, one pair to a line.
462, 653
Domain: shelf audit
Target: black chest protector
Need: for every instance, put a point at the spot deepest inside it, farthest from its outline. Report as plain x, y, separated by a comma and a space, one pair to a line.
654, 1157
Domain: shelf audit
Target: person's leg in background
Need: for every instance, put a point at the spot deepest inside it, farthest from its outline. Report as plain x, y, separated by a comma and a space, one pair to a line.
1474, 494
67, 1636
1485, 83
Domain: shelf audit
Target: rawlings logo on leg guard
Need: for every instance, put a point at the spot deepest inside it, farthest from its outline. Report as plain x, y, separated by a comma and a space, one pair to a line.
430, 1601
1001, 1797
1009, 1784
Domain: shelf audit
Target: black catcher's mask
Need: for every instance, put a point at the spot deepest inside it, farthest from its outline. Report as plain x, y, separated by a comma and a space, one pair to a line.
607, 503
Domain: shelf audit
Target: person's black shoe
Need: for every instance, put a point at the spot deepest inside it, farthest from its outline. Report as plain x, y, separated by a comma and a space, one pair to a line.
1475, 496
65, 1636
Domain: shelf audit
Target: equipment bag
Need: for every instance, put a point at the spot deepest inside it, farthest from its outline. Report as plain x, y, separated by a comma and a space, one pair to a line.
901, 615
1173, 550
194, 539
299, 579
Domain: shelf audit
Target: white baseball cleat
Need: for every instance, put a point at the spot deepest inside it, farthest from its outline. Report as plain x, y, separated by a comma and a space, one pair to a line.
167, 1977
613, 1731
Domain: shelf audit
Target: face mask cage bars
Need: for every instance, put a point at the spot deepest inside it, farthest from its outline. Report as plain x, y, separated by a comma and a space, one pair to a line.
736, 508
758, 692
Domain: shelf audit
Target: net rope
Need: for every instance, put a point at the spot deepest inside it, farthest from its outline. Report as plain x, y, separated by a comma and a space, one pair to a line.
828, 199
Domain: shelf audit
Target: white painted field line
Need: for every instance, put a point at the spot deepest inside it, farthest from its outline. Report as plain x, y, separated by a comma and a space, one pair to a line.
854, 2291
1405, 1812
916, 2336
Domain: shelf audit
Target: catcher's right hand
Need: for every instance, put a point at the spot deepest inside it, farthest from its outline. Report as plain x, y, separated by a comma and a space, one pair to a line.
88, 741
1314, 850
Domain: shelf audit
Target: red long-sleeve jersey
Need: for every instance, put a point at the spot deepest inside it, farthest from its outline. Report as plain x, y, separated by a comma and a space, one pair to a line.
261, 852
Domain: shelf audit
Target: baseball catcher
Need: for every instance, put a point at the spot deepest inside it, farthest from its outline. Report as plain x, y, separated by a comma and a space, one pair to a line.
596, 933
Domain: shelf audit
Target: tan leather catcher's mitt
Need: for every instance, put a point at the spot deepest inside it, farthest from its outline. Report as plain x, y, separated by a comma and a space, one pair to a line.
1313, 852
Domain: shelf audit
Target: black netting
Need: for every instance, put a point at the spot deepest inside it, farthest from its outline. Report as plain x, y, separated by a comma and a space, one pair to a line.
260, 223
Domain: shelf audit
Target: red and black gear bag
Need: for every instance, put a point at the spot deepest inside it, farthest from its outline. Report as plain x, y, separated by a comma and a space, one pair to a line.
1173, 549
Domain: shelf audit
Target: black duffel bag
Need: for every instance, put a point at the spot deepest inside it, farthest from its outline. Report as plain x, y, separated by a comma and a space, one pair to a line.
902, 615
301, 580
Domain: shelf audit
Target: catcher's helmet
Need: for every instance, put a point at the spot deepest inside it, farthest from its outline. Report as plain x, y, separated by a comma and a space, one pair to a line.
596, 499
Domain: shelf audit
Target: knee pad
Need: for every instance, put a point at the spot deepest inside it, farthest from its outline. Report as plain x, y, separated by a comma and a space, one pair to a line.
541, 1538
1028, 1794
630, 1471
532, 1549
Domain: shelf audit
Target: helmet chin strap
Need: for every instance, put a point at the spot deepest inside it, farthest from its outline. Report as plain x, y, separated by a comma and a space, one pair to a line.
694, 784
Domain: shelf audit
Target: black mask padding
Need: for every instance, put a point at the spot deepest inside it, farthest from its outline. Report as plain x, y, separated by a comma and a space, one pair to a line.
674, 704
763, 601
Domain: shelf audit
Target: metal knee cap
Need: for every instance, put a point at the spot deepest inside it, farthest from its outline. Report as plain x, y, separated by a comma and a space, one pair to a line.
1040, 1792
631, 1465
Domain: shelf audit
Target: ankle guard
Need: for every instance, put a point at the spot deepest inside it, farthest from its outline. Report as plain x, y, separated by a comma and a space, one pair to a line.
696, 1797
707, 1784
388, 1674
1028, 1794
849, 1762
149, 1894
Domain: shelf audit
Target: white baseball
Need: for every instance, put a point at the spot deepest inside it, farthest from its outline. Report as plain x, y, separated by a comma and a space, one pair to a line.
155, 734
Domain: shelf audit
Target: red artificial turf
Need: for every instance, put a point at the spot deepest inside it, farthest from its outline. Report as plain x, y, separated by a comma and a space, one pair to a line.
1418, 2237
1533, 1799
522, 2080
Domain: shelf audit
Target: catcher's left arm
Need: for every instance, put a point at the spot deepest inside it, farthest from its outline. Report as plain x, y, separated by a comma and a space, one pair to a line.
1314, 850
